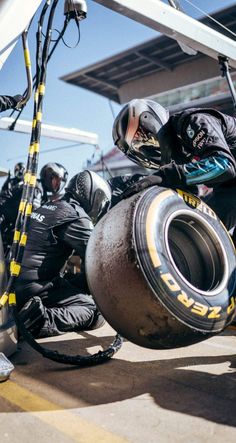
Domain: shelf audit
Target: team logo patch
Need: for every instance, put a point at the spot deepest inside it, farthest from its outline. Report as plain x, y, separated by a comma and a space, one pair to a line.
190, 131
200, 139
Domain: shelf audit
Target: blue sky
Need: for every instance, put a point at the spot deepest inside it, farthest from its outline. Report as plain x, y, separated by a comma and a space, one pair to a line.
103, 33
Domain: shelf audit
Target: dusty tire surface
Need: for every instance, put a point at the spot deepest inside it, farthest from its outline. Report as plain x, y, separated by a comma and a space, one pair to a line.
161, 268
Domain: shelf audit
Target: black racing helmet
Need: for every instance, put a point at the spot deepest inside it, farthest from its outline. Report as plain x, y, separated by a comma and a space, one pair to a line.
53, 177
135, 131
92, 192
19, 170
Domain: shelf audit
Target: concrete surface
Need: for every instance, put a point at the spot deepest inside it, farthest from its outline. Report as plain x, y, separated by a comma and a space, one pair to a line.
141, 395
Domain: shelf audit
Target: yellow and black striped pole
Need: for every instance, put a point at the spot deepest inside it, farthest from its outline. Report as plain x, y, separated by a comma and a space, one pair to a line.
30, 177
25, 207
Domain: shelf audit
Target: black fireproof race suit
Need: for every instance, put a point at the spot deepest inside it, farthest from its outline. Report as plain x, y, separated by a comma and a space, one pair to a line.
202, 143
56, 229
10, 197
7, 102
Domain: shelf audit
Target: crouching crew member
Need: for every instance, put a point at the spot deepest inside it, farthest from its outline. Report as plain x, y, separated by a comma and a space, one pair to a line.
49, 303
189, 148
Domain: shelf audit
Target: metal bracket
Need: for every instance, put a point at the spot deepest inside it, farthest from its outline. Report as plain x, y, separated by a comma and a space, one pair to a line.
225, 72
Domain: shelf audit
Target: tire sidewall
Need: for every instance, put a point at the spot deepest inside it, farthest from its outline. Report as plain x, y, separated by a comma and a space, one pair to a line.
192, 307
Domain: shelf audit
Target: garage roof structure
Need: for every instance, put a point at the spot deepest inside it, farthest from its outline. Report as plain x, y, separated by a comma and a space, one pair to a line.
118, 77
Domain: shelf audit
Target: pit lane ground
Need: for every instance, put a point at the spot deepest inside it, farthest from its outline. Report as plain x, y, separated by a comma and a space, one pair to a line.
185, 395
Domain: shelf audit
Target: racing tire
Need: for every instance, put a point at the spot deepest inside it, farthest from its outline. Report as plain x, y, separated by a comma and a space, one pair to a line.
161, 267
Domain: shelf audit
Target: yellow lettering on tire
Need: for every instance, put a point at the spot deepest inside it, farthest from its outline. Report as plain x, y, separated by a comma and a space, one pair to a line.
215, 310
183, 298
170, 282
195, 307
231, 307
199, 309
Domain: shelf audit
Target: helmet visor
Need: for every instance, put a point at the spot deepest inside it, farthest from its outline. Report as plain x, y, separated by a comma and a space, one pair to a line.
144, 149
19, 171
53, 183
142, 139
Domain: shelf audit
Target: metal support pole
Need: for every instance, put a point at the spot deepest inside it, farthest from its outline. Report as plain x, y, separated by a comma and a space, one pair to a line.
225, 72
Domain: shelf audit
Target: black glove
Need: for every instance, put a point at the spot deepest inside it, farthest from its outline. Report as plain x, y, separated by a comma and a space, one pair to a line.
17, 99
147, 182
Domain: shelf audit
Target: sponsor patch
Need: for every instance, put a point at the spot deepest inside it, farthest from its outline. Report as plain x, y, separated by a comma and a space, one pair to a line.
37, 216
49, 207
190, 131
199, 139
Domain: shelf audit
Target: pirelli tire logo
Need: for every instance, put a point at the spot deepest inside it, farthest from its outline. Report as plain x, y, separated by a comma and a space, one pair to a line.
196, 203
184, 300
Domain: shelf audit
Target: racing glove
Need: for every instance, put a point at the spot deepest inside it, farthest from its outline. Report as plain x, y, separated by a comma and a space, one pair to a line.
142, 184
17, 99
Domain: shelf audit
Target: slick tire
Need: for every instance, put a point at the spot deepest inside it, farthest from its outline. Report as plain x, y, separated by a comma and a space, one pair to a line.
161, 267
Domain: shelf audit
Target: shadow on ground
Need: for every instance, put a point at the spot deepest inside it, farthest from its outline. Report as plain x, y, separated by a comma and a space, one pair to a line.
175, 384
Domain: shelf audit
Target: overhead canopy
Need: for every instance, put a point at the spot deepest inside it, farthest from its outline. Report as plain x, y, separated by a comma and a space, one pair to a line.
160, 56
51, 131
15, 16
177, 25
3, 172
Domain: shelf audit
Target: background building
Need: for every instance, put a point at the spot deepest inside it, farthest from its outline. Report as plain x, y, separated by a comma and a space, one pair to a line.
114, 163
160, 70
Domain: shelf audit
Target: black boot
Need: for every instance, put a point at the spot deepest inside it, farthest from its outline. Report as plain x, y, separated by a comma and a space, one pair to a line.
33, 315
97, 321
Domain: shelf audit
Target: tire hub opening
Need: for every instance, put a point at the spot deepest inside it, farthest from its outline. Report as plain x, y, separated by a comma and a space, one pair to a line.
196, 252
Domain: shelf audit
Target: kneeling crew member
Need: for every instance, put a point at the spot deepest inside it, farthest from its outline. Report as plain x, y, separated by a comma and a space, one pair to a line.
49, 303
